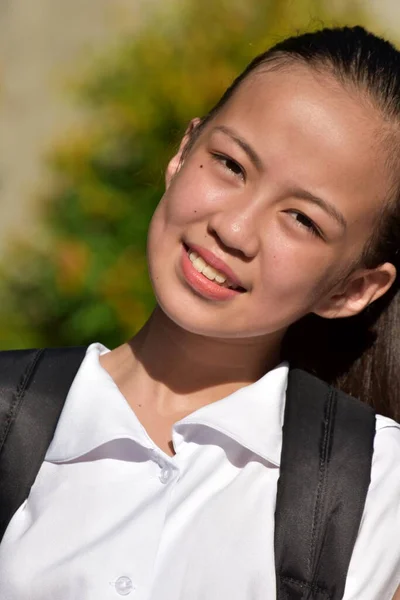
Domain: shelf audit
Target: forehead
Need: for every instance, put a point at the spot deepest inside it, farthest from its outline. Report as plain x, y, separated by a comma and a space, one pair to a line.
307, 127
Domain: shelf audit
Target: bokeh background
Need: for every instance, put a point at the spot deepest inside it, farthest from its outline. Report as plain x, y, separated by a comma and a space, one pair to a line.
94, 97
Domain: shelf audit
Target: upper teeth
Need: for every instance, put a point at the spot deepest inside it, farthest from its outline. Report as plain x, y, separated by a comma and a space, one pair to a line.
202, 267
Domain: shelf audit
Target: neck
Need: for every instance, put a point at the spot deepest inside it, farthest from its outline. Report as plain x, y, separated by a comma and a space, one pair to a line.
181, 371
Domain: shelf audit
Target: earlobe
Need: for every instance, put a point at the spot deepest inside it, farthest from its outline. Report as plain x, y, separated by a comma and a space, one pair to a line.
361, 289
177, 160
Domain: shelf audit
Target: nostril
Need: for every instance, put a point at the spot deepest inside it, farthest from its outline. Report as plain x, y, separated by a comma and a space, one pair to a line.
229, 248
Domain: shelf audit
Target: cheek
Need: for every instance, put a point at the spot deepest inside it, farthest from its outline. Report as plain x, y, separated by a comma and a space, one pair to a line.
192, 196
184, 204
292, 274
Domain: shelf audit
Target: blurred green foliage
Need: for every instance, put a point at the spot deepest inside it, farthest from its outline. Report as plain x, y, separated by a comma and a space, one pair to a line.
86, 280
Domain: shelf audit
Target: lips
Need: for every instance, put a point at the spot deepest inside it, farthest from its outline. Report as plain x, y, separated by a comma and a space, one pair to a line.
218, 264
200, 284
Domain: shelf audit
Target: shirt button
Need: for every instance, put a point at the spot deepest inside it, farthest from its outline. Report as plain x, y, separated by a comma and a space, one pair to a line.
123, 586
165, 475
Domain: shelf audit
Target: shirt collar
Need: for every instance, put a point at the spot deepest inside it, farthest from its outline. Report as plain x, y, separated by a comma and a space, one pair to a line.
96, 412
252, 416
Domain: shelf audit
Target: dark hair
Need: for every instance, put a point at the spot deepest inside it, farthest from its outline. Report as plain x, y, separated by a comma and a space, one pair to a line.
361, 354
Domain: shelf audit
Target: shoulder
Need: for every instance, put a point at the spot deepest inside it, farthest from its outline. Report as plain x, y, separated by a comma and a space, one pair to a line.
19, 367
375, 565
386, 458
14, 364
386, 424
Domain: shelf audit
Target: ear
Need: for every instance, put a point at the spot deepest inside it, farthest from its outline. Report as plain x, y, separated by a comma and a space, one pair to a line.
176, 161
357, 292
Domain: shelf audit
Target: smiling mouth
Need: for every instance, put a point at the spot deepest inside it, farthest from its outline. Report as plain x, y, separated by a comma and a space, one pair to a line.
210, 272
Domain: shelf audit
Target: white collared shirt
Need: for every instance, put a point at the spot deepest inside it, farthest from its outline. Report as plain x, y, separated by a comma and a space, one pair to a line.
112, 515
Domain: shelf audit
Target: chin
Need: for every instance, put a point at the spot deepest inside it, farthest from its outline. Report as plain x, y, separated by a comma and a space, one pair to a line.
192, 314
201, 317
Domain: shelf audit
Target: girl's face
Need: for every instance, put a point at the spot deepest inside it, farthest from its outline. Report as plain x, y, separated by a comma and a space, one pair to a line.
278, 195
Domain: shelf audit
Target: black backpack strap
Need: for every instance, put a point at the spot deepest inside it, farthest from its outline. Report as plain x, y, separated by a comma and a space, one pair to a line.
324, 477
33, 388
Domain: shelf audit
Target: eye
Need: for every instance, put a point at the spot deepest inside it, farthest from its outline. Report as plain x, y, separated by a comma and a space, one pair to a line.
229, 164
304, 222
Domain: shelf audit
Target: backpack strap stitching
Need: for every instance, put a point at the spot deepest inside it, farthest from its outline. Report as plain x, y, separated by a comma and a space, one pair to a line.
328, 431
18, 397
312, 587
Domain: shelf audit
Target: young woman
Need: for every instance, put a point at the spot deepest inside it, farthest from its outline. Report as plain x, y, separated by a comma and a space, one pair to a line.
281, 214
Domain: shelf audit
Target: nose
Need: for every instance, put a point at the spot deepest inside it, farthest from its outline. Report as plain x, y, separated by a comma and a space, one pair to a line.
236, 230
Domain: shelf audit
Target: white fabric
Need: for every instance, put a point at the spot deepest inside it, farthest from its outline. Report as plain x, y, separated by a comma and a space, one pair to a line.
111, 515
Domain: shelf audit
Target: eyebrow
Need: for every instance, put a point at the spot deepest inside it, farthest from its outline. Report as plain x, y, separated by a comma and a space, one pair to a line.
251, 153
329, 208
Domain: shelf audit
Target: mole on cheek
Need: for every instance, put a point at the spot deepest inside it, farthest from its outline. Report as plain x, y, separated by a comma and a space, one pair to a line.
201, 166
